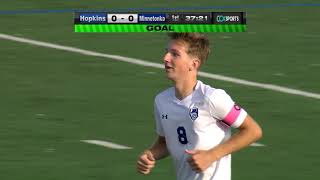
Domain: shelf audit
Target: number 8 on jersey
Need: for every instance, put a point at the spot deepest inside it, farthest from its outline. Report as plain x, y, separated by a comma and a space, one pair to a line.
182, 136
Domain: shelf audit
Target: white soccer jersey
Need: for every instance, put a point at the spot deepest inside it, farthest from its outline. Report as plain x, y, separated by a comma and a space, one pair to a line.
200, 121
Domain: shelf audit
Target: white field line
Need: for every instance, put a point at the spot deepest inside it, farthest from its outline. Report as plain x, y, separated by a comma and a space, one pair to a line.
106, 144
257, 145
118, 146
157, 65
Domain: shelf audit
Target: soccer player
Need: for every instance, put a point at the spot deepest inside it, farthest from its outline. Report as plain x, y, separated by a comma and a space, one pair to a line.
193, 119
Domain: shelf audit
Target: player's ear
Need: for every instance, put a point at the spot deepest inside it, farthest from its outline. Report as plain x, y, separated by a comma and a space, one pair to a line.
196, 64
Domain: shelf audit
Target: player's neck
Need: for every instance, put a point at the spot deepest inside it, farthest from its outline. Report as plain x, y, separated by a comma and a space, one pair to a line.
184, 87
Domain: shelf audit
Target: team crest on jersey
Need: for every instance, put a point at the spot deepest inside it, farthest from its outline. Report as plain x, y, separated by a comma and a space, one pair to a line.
194, 112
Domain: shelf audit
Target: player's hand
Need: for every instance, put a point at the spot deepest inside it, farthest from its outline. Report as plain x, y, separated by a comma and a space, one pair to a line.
200, 160
146, 162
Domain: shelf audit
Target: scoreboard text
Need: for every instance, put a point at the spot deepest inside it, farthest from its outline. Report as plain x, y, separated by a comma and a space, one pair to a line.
160, 22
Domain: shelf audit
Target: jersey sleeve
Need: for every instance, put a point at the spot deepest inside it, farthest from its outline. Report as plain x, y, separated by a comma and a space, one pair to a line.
157, 118
224, 108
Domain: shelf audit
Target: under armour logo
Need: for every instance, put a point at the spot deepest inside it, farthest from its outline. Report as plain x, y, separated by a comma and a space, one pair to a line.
164, 116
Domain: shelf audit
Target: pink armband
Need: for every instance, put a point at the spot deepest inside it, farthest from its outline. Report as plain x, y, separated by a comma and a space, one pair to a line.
232, 115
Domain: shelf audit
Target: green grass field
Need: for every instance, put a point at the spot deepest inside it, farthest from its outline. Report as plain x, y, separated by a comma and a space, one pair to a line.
52, 99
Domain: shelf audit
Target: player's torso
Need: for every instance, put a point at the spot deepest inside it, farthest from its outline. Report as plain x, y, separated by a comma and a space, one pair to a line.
190, 126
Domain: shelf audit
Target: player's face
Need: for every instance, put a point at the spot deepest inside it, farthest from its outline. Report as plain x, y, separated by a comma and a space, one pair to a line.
177, 61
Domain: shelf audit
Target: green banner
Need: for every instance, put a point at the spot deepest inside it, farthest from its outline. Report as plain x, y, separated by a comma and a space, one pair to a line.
159, 28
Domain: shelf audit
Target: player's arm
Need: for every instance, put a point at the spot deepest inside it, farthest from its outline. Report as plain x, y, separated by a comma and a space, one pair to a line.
159, 148
231, 114
224, 109
147, 159
249, 132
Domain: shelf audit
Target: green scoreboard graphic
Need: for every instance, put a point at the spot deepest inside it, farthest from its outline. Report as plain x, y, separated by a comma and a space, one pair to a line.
160, 22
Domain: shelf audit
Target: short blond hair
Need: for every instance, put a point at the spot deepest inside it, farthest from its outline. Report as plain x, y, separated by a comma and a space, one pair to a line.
198, 44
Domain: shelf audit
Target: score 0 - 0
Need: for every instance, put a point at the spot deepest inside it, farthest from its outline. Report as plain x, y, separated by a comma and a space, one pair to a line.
122, 18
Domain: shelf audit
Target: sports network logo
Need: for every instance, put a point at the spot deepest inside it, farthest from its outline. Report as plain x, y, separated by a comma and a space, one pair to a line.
222, 19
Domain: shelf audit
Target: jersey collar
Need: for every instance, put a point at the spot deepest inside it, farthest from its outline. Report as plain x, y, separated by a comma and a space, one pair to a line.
187, 101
